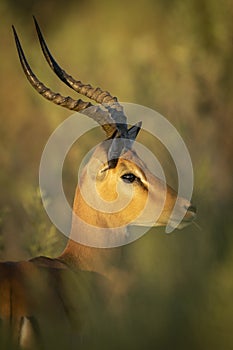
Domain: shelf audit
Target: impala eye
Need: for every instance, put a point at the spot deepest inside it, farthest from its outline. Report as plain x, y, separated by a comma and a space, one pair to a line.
128, 178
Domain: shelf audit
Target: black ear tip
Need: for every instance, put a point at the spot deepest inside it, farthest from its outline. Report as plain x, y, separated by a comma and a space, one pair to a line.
134, 130
112, 163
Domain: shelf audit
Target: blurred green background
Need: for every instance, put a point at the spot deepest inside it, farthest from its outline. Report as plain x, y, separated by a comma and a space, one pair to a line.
173, 56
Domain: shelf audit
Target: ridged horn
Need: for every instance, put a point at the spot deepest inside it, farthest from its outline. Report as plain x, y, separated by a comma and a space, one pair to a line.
103, 117
95, 94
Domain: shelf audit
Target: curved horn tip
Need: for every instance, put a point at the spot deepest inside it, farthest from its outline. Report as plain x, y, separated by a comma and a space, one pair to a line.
34, 18
14, 31
36, 24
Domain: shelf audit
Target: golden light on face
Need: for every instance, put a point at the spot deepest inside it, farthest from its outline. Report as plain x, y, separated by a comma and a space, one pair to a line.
129, 194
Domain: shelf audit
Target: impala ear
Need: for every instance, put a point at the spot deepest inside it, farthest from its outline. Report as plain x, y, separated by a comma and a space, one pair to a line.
134, 130
120, 145
132, 134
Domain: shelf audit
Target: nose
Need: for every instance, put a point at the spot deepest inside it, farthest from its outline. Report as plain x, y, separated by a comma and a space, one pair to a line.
190, 213
191, 208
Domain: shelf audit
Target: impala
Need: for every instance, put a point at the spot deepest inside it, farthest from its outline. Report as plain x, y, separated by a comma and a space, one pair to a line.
41, 292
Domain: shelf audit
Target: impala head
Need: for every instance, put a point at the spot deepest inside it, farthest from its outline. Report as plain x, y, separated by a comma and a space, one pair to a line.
127, 194
116, 188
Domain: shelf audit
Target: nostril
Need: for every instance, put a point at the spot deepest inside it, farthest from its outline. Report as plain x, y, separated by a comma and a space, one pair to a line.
192, 208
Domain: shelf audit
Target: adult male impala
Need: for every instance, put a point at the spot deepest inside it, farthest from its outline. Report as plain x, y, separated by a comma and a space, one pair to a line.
41, 292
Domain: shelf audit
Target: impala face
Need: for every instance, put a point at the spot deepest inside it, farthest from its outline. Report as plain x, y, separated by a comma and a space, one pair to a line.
128, 194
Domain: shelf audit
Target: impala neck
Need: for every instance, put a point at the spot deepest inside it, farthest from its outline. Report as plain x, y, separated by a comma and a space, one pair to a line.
86, 257
103, 261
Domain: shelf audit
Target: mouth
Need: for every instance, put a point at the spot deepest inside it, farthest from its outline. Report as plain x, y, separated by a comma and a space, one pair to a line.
173, 222
190, 215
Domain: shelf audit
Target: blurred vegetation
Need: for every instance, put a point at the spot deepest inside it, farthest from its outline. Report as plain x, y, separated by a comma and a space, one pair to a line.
173, 56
